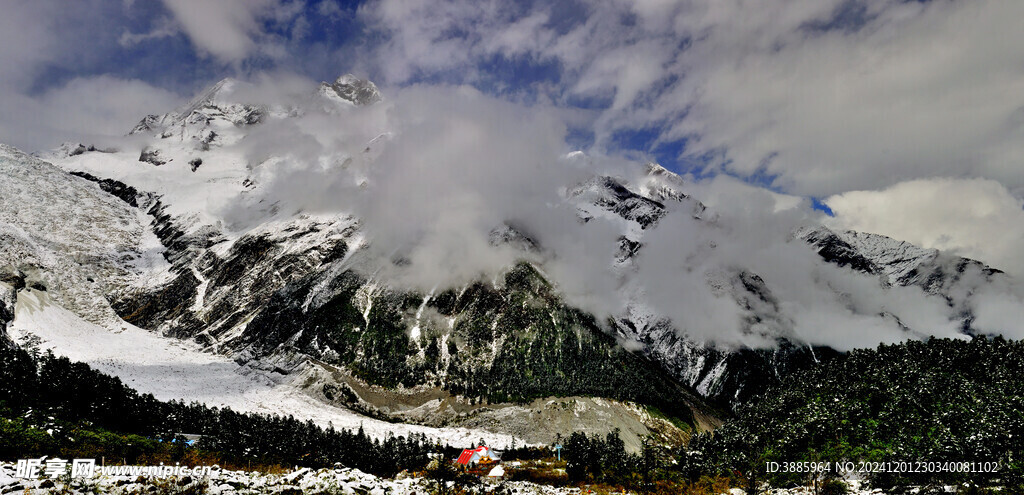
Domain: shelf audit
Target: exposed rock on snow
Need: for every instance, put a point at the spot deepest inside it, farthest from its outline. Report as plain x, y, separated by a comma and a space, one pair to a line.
152, 156
6, 311
899, 263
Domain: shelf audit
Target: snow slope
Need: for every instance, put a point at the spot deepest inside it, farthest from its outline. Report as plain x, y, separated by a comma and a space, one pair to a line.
65, 233
173, 369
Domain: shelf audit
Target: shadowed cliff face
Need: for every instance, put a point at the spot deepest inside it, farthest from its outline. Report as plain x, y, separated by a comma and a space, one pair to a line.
7, 295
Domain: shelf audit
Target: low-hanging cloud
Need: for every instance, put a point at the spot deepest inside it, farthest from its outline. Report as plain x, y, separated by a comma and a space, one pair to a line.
85, 110
431, 171
50, 91
807, 300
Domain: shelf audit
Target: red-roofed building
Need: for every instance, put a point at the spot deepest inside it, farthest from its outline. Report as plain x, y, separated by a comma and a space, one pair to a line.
481, 453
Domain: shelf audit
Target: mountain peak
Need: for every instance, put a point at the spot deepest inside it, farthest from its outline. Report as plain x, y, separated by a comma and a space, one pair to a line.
351, 89
208, 116
655, 169
218, 93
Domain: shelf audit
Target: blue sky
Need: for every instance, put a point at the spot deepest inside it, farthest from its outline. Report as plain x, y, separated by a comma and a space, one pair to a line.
169, 58
850, 102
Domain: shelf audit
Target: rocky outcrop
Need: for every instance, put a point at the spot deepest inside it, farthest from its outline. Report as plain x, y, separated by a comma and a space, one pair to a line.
351, 89
118, 189
152, 156
898, 263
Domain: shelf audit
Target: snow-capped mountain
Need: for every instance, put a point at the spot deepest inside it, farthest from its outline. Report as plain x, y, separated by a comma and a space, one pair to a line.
899, 263
154, 239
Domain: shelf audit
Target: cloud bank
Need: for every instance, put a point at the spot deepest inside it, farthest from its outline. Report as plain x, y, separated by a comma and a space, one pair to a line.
91, 69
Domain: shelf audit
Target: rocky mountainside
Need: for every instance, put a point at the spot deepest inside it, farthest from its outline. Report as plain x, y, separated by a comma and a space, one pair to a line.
67, 235
350, 89
289, 292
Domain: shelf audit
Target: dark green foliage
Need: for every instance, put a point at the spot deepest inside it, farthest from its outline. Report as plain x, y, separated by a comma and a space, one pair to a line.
834, 487
443, 471
936, 401
17, 439
18, 379
513, 342
753, 371
87, 412
549, 348
599, 460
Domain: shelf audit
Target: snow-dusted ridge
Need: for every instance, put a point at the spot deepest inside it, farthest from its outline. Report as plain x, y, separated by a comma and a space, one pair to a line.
350, 90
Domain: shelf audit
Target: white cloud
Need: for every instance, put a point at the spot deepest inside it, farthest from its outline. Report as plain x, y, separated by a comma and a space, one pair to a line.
165, 27
88, 110
1000, 312
976, 218
229, 30
28, 39
36, 113
827, 95
454, 165
920, 90
720, 190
